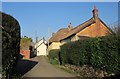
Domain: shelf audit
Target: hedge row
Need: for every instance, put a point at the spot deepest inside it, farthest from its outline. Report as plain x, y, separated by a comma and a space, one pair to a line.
54, 56
101, 52
10, 44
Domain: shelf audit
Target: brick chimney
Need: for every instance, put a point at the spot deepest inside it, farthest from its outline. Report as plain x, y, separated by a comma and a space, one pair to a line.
70, 26
36, 39
53, 34
95, 12
43, 39
95, 16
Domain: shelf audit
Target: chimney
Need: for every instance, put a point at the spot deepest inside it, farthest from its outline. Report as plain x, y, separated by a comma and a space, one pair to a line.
53, 34
97, 21
95, 12
43, 39
70, 26
36, 39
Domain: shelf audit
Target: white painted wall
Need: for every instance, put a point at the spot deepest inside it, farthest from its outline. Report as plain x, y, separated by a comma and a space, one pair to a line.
37, 44
54, 45
65, 41
41, 50
74, 38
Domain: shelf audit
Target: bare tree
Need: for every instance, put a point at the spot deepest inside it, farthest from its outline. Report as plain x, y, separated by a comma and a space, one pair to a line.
115, 27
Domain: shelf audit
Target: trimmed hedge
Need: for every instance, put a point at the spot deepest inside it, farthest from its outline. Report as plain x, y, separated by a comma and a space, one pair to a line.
54, 56
100, 52
10, 44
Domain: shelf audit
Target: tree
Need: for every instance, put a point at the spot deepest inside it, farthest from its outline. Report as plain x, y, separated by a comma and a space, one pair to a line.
25, 42
115, 26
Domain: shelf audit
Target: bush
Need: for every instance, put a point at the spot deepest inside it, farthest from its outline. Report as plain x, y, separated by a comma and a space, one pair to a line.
54, 56
10, 43
100, 52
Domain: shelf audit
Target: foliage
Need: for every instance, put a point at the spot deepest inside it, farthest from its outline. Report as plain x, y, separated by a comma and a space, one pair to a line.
116, 27
100, 52
118, 30
54, 56
25, 39
10, 43
25, 42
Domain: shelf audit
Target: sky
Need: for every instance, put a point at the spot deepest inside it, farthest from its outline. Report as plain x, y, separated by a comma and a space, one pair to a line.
59, 0
43, 18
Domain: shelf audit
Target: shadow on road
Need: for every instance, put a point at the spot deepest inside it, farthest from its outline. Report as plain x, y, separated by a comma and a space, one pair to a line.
23, 66
32, 55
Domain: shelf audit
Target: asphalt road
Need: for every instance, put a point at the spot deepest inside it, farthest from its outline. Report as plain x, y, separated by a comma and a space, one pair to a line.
44, 69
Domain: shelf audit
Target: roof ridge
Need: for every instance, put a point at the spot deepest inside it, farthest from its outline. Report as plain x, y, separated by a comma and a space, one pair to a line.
84, 22
80, 27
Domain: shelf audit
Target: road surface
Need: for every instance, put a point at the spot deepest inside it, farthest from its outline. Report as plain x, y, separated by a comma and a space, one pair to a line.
44, 69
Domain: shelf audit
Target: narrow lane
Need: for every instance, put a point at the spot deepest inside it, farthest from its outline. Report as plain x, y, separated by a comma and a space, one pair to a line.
45, 69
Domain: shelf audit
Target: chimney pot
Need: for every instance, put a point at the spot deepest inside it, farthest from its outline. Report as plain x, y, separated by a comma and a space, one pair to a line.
53, 34
70, 26
95, 12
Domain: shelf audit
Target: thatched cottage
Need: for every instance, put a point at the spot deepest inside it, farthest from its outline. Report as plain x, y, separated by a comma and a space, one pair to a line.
94, 27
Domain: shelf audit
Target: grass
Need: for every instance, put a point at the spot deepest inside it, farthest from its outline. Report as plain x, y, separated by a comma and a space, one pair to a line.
67, 69
56, 63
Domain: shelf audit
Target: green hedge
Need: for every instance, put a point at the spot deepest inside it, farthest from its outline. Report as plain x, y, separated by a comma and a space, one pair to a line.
101, 52
10, 44
54, 56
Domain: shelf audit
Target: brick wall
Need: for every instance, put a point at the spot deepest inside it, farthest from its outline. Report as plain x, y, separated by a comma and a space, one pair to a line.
25, 53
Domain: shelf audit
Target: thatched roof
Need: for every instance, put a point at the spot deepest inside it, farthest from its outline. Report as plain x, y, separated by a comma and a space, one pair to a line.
59, 35
65, 32
79, 28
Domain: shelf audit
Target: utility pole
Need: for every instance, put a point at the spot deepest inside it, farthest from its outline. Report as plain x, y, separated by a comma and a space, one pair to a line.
48, 35
36, 37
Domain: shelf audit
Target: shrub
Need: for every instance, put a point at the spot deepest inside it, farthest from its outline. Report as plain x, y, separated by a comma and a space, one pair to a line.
10, 43
54, 56
99, 52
